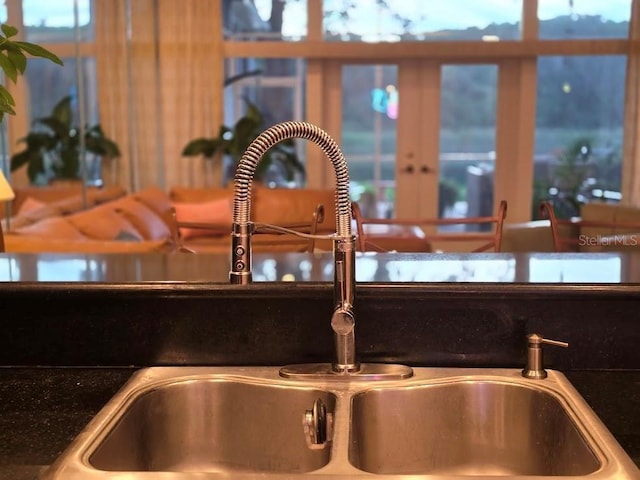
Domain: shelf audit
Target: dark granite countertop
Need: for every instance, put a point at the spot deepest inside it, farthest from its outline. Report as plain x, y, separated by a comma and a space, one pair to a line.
43, 409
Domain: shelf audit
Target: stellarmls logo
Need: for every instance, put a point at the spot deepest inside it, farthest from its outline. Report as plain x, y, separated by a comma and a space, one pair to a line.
629, 240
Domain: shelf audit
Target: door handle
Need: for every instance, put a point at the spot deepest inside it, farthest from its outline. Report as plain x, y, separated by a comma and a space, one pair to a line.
408, 169
426, 169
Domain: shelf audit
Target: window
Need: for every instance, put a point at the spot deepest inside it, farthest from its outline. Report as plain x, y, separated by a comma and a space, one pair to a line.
49, 83
54, 22
275, 86
52, 25
584, 19
257, 20
579, 123
397, 20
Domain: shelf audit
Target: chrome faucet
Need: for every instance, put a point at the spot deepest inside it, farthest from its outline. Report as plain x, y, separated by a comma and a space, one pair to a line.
344, 246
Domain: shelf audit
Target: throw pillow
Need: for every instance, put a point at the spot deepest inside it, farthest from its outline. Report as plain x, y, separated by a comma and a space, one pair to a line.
217, 213
29, 205
102, 224
144, 219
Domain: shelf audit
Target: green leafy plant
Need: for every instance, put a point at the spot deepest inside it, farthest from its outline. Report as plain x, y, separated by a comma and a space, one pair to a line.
233, 141
53, 148
570, 175
13, 62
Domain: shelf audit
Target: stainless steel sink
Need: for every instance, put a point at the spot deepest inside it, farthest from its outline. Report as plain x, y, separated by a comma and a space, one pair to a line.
213, 425
468, 427
208, 423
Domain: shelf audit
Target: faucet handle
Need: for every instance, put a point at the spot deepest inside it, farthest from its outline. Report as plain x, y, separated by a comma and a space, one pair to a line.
534, 367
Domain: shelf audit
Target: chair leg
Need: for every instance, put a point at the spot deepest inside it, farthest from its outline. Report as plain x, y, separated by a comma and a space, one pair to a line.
546, 210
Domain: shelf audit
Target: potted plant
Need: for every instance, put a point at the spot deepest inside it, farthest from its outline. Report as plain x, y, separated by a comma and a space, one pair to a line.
571, 178
53, 148
281, 161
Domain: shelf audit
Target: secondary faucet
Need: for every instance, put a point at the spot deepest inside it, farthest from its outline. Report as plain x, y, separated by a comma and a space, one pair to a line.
344, 246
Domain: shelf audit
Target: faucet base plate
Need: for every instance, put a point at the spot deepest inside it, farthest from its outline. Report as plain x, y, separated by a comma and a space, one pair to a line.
367, 371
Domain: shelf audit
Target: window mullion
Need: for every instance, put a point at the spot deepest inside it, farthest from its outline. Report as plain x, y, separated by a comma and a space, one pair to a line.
530, 23
314, 20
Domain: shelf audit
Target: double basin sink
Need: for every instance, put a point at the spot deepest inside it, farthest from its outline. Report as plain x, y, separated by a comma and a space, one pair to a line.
206, 423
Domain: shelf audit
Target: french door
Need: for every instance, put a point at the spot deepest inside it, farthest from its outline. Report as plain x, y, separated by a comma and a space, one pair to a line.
447, 140
421, 140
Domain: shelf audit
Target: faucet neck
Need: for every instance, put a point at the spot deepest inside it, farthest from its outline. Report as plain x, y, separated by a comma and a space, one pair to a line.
344, 276
343, 319
242, 229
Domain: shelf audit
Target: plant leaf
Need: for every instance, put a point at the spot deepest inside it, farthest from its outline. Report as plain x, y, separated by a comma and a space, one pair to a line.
97, 142
35, 167
6, 97
38, 51
59, 129
17, 58
37, 140
6, 103
6, 108
9, 68
253, 112
202, 146
69, 166
9, 30
244, 132
19, 159
62, 112
94, 131
102, 146
113, 150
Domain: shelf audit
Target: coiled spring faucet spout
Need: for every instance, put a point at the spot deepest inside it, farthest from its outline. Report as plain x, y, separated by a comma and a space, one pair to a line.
343, 320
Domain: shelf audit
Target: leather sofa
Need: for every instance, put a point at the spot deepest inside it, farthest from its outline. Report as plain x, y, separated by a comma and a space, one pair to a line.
154, 221
114, 222
275, 206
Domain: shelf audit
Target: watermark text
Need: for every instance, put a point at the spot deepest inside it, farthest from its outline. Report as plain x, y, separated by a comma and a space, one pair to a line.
628, 240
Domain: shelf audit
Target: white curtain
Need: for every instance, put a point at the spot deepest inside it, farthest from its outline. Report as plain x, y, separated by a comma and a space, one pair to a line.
160, 68
631, 146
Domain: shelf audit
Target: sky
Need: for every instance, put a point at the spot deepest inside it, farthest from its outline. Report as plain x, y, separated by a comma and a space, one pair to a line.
439, 14
55, 13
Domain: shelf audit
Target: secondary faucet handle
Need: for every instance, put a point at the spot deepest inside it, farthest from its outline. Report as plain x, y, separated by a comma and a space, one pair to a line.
534, 367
